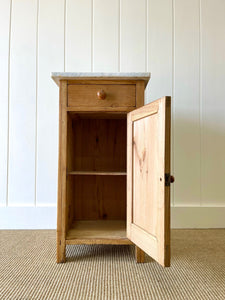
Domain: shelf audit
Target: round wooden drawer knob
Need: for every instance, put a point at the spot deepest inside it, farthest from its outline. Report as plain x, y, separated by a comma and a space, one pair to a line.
101, 95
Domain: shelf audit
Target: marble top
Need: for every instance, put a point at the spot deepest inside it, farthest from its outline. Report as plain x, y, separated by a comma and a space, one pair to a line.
57, 76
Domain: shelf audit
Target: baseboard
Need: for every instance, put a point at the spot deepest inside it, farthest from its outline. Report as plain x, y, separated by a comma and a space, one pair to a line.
45, 217
28, 217
198, 217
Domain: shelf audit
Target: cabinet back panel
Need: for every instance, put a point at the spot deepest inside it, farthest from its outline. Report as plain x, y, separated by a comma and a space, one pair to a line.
98, 197
97, 145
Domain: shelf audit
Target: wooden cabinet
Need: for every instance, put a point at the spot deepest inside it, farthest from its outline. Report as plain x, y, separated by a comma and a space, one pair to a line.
114, 164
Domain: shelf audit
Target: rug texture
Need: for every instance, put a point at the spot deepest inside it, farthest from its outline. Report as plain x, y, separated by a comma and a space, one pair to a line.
28, 269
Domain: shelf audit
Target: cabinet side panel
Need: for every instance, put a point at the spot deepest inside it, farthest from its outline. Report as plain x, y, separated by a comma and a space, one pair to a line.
61, 207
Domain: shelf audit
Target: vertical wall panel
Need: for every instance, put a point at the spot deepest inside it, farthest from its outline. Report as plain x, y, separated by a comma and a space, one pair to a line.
159, 45
180, 42
105, 35
133, 36
159, 54
186, 101
78, 55
50, 58
22, 109
213, 102
4, 60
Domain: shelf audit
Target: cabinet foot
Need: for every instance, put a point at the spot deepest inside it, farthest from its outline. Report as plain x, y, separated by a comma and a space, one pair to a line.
61, 252
140, 255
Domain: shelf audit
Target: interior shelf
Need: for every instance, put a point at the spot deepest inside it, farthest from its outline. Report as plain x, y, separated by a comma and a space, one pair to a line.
97, 232
97, 173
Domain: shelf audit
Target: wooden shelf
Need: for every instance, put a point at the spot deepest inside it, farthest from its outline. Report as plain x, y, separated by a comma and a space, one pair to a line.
97, 173
98, 232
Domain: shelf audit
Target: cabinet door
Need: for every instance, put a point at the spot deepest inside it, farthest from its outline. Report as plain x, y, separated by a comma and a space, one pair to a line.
148, 179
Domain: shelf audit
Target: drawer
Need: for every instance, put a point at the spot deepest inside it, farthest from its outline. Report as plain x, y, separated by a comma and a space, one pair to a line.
115, 95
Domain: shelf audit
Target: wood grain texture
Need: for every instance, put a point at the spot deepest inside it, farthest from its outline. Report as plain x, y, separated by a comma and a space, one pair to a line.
69, 180
87, 95
99, 197
91, 109
106, 151
22, 104
99, 241
97, 80
103, 78
97, 173
145, 173
88, 196
129, 173
69, 202
78, 36
98, 115
108, 232
61, 205
140, 93
139, 255
4, 85
148, 200
49, 57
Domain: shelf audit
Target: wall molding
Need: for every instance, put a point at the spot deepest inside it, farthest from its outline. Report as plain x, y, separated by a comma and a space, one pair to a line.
44, 217
198, 217
28, 217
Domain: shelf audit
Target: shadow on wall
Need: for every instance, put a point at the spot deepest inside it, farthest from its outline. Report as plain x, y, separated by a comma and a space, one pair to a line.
197, 153
197, 160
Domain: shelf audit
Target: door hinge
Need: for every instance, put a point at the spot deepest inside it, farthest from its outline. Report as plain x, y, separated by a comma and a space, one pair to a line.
167, 179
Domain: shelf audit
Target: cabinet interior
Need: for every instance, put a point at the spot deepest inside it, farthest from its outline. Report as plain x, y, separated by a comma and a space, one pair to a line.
96, 175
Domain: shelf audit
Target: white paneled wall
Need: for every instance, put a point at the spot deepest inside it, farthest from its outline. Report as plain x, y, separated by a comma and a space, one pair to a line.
5, 11
50, 55
213, 102
22, 103
78, 35
182, 44
105, 50
187, 96
133, 26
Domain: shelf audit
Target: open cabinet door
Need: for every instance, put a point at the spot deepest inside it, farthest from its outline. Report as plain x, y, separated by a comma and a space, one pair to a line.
148, 179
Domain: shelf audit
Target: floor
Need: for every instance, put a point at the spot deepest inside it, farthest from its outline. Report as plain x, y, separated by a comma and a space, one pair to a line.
28, 269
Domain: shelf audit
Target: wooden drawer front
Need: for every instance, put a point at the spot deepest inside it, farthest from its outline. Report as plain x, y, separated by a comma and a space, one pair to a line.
117, 95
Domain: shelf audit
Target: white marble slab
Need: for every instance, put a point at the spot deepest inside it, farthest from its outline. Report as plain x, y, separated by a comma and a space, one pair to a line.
57, 76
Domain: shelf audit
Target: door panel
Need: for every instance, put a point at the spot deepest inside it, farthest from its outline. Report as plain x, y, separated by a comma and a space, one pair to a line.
148, 197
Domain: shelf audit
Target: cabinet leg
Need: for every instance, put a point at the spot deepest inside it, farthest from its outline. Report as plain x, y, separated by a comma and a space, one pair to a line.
140, 255
61, 250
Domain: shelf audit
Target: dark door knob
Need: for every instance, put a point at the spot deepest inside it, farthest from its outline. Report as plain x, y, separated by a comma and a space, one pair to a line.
172, 179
